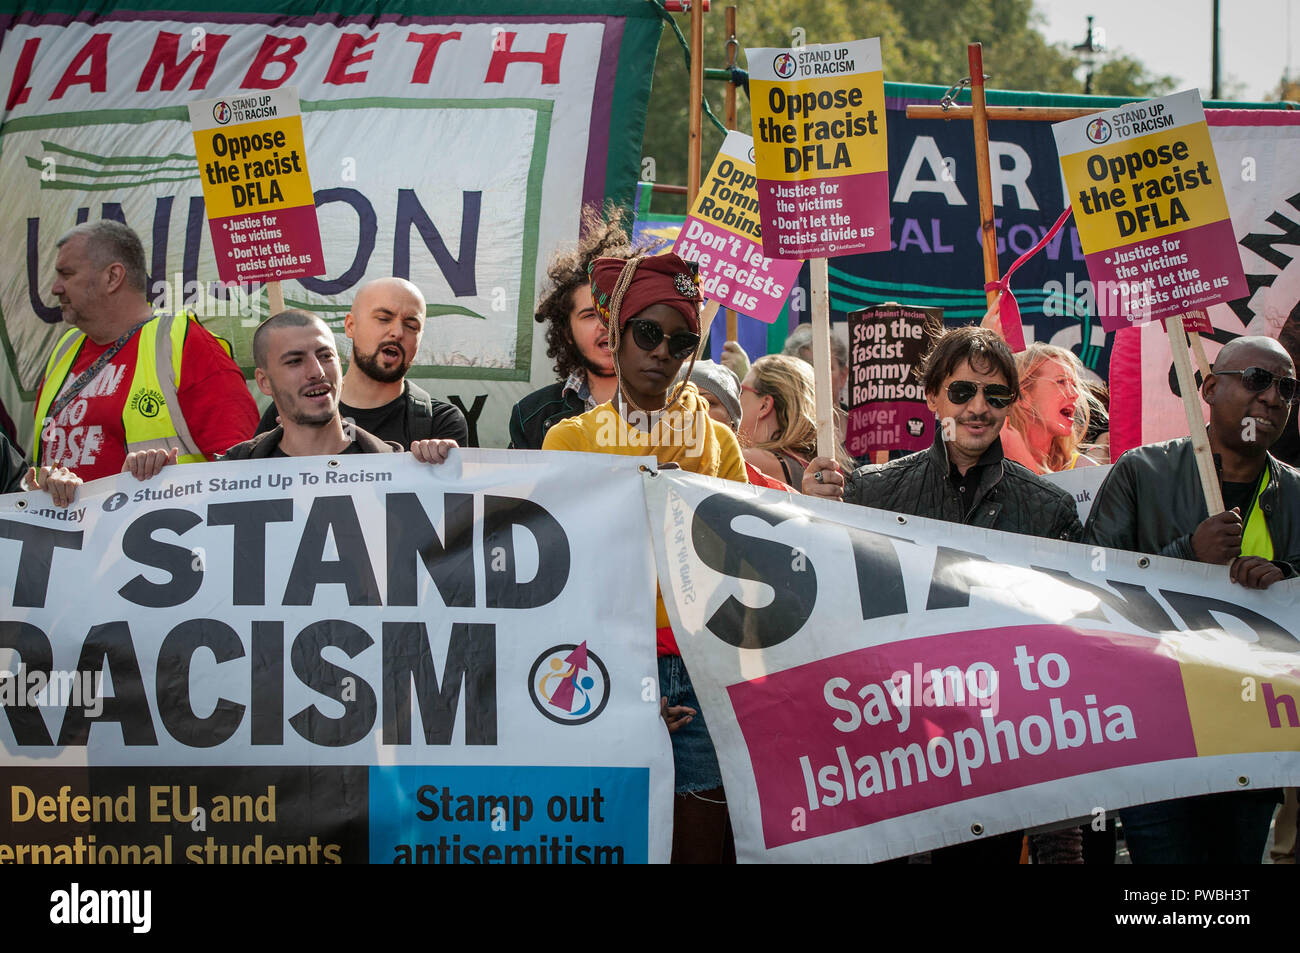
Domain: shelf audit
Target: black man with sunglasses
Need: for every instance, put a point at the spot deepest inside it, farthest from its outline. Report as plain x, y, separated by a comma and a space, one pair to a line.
1152, 502
971, 381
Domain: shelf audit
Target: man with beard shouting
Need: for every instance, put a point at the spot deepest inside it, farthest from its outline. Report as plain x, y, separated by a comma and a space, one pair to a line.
385, 325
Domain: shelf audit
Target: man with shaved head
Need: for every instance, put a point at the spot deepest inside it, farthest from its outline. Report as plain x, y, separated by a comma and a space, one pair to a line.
298, 368
1152, 502
385, 325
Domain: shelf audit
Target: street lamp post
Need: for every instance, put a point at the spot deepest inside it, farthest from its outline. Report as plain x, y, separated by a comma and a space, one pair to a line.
1089, 51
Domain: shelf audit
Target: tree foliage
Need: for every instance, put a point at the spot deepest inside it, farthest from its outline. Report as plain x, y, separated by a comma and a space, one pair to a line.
922, 41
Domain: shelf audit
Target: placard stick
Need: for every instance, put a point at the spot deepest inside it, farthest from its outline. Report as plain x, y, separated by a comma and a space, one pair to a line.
696, 121
275, 297
1198, 348
707, 314
821, 342
1195, 416
975, 57
732, 47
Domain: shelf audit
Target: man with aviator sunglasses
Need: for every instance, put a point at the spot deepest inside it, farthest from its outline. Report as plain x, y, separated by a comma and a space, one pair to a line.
1152, 502
971, 381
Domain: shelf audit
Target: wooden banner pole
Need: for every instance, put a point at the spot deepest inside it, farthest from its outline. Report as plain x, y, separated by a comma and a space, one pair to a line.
274, 297
1198, 349
983, 175
821, 341
1195, 416
696, 142
732, 46
707, 314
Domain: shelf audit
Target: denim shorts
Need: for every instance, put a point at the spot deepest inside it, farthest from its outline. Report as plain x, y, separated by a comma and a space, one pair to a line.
695, 761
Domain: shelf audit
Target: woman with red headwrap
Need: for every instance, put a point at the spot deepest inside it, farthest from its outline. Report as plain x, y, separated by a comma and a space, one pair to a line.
651, 306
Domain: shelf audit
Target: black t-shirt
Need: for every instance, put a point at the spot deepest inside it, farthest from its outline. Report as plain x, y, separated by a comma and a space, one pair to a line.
389, 421
351, 448
1240, 495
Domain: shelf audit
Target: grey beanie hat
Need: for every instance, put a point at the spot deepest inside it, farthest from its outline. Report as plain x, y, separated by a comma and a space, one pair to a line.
721, 381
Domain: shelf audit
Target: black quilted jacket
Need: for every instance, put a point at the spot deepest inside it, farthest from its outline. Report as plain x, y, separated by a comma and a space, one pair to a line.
1009, 498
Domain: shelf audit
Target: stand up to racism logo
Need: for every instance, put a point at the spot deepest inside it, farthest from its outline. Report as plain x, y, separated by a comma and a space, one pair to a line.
569, 684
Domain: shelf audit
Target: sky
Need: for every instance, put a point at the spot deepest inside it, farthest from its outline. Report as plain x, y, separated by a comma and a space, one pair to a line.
1172, 37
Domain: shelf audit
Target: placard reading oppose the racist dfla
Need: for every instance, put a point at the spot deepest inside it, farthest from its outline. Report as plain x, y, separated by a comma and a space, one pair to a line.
1150, 209
886, 399
723, 236
260, 205
821, 157
334, 660
879, 685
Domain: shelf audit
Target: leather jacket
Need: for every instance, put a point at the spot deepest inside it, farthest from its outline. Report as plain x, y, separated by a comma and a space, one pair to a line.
1152, 502
264, 444
1009, 497
538, 412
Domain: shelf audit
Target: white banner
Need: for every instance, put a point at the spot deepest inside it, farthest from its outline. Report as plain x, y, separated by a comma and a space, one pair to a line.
428, 141
359, 658
878, 685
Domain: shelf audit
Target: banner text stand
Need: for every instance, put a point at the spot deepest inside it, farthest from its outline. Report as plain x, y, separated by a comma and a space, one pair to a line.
1195, 417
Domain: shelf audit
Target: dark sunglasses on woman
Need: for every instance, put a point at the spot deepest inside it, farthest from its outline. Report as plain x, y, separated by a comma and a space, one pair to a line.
998, 396
1257, 380
647, 335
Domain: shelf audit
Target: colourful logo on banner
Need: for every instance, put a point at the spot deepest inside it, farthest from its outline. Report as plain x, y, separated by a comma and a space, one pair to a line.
569, 684
1150, 209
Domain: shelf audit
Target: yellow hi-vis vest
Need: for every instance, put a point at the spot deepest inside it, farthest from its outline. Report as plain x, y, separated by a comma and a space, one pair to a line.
1255, 540
151, 416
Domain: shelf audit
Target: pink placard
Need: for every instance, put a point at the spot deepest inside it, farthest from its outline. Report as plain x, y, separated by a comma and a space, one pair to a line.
268, 246
734, 272
1178, 273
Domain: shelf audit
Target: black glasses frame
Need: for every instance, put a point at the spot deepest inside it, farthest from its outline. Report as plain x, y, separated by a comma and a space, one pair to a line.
998, 396
647, 335
1257, 380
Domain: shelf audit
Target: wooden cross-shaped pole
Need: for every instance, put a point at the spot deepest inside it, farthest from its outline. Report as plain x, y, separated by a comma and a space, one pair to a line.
980, 115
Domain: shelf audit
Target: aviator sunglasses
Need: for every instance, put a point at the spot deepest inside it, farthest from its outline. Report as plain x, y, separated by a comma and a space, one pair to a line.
998, 396
647, 335
1257, 380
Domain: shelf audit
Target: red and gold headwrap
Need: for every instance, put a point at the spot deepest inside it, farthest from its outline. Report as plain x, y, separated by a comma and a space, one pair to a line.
645, 281
623, 288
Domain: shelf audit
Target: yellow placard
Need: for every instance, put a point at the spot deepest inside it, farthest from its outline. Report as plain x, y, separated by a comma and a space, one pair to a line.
819, 128
1144, 188
728, 198
253, 167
